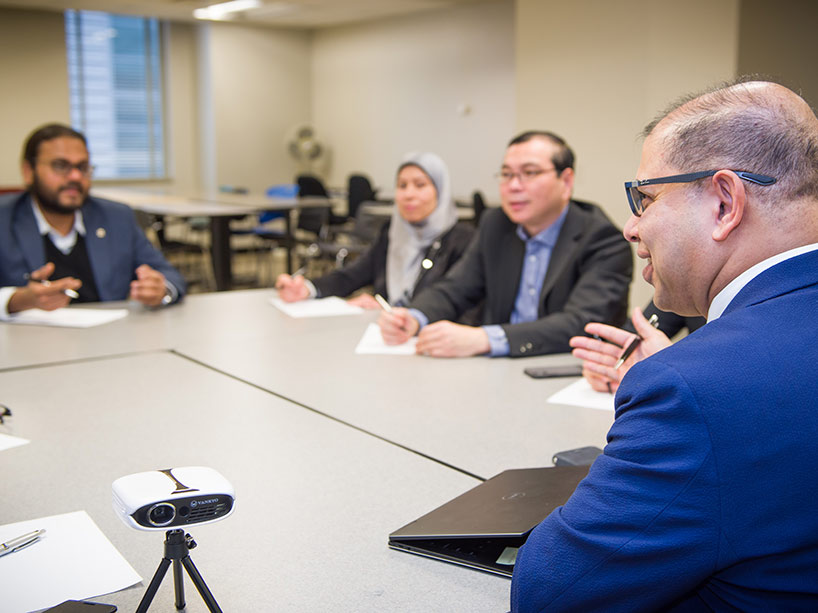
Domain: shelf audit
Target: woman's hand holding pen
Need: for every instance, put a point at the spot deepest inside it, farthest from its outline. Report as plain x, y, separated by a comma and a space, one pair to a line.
292, 289
601, 351
40, 293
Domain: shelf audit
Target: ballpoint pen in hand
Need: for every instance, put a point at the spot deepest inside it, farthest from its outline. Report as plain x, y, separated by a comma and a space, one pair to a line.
68, 292
653, 321
16, 544
384, 304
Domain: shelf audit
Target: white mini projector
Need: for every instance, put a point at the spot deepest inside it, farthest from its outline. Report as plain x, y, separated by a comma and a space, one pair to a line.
172, 498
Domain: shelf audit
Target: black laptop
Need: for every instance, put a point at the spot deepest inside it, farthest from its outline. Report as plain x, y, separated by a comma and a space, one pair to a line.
484, 528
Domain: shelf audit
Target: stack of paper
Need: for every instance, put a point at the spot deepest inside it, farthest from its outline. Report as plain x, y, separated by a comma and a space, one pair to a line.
68, 317
372, 342
73, 560
8, 441
581, 394
323, 307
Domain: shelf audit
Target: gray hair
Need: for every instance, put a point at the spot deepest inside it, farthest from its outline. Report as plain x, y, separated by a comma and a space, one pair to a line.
758, 127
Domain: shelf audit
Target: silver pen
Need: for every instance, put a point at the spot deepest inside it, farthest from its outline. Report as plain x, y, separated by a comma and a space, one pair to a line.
21, 542
384, 304
68, 292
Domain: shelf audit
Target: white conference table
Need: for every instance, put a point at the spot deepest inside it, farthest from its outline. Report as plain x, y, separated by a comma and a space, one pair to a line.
315, 500
365, 442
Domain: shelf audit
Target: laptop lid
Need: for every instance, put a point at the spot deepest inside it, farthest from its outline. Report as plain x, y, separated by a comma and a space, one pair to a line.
484, 527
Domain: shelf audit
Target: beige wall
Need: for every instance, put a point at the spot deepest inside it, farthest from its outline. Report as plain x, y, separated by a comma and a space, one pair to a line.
596, 72
779, 40
259, 82
34, 81
385, 88
182, 111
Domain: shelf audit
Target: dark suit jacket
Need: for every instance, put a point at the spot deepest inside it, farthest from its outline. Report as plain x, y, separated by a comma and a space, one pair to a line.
370, 267
587, 280
116, 246
705, 496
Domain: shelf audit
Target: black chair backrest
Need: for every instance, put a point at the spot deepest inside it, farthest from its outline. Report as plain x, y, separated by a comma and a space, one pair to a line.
312, 219
479, 206
309, 185
359, 190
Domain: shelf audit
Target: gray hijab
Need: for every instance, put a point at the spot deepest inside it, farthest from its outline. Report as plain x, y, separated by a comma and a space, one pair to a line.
408, 242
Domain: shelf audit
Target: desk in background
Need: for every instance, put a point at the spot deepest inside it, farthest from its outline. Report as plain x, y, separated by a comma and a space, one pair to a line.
220, 208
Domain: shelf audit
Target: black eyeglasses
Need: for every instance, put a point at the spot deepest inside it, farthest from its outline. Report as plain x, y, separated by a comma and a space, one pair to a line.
64, 167
635, 196
526, 176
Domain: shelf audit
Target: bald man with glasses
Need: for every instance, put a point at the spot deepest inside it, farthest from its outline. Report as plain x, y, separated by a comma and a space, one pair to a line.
58, 244
704, 497
543, 265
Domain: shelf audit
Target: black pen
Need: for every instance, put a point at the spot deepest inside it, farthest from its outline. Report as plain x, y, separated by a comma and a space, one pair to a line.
653, 321
68, 292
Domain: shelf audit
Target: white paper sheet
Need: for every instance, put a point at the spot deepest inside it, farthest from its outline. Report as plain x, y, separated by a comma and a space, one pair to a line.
73, 560
322, 307
68, 318
7, 441
372, 342
581, 394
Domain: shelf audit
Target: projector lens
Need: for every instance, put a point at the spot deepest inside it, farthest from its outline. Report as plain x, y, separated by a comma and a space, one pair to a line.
161, 514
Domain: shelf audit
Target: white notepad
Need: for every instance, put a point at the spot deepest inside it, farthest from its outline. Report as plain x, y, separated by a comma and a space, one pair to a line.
73, 560
581, 394
372, 342
321, 307
68, 318
7, 441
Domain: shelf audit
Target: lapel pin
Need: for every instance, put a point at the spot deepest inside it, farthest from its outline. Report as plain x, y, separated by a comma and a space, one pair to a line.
427, 263
100, 232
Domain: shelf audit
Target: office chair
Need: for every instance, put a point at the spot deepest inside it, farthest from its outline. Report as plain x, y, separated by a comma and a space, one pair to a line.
479, 205
185, 248
359, 190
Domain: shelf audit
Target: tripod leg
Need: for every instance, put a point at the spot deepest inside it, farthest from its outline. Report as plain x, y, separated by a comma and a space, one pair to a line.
198, 581
154, 585
179, 584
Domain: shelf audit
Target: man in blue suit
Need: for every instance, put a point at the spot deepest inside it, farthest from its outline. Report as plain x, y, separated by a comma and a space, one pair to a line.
57, 242
705, 496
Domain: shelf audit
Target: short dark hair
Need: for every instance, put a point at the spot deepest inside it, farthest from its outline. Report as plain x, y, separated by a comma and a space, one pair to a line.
45, 133
736, 126
563, 158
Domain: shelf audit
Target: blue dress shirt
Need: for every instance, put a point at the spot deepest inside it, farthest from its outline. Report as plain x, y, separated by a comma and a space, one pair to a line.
538, 249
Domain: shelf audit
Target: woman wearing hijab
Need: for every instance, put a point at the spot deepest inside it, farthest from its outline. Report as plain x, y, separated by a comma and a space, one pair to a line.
414, 249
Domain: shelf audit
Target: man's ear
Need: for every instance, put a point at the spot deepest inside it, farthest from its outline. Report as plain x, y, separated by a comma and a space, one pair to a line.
732, 197
28, 173
567, 176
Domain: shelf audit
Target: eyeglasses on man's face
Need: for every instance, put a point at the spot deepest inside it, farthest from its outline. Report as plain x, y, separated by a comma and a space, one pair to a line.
527, 175
635, 196
63, 167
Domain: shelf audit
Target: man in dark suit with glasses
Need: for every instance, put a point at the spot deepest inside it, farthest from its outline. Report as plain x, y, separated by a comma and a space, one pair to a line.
58, 243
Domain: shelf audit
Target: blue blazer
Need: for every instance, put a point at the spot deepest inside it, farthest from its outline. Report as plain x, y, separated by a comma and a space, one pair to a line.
116, 246
706, 497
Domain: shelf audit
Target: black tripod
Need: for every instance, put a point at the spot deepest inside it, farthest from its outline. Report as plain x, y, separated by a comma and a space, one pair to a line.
177, 545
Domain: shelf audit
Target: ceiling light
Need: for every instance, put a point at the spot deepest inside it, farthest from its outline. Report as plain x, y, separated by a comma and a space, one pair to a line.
222, 10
